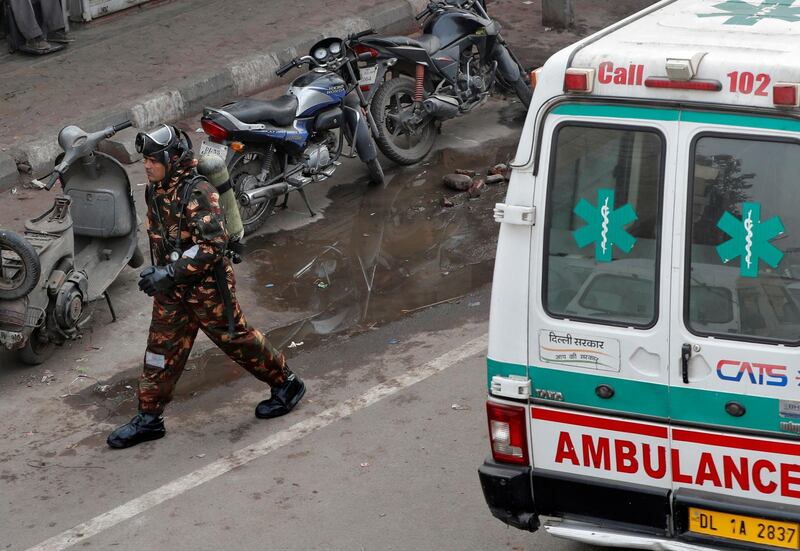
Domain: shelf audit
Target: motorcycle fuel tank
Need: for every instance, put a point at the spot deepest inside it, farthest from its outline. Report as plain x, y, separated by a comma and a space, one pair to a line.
317, 90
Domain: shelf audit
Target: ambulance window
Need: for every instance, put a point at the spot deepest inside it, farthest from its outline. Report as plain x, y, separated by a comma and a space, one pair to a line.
744, 238
603, 224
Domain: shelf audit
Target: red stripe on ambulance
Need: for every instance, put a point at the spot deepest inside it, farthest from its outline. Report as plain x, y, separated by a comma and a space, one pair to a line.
641, 453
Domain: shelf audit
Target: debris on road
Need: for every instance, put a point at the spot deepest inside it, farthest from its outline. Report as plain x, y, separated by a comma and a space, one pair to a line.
364, 465
477, 187
296, 344
447, 202
458, 182
466, 172
459, 407
493, 179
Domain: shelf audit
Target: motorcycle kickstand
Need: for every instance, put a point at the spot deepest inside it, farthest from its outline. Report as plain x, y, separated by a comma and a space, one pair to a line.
285, 203
302, 193
110, 307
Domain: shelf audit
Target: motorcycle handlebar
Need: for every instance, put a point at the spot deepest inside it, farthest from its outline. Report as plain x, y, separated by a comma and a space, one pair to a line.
356, 36
286, 68
48, 185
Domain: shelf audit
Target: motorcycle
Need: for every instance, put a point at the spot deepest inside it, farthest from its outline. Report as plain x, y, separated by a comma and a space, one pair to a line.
70, 255
273, 148
447, 71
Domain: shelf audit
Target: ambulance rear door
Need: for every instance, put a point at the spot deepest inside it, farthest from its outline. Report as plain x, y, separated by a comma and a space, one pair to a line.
734, 395
599, 313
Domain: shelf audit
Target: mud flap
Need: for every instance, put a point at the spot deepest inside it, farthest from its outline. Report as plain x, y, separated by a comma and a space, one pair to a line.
357, 125
506, 66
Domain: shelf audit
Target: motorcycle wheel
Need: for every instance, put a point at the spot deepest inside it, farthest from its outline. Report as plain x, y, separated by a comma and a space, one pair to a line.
19, 266
393, 100
375, 172
244, 169
36, 351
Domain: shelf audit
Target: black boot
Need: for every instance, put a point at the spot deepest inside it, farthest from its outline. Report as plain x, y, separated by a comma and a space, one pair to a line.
282, 398
143, 427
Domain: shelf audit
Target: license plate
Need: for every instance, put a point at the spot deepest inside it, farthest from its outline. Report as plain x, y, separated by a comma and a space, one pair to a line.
368, 75
743, 528
211, 148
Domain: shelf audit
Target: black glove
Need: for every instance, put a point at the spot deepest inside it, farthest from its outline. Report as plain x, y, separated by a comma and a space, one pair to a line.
157, 279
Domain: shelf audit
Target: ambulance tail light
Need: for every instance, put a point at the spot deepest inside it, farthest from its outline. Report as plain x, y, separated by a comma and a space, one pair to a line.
701, 85
579, 80
508, 433
785, 94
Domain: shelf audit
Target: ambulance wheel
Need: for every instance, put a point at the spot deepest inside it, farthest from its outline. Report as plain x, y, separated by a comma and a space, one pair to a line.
19, 266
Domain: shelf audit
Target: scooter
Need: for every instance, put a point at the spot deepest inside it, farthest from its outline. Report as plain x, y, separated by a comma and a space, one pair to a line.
70, 255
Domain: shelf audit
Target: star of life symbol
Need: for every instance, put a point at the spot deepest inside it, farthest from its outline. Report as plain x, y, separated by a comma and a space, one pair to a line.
604, 225
750, 239
744, 13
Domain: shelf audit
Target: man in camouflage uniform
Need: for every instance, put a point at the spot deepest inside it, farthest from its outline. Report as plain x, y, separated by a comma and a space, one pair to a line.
193, 286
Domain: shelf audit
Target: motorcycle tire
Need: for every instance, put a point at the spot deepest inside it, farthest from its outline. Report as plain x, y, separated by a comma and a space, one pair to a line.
36, 351
20, 268
395, 89
524, 92
255, 216
375, 172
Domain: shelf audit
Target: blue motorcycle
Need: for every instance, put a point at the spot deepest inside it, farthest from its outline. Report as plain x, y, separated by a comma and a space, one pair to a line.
273, 148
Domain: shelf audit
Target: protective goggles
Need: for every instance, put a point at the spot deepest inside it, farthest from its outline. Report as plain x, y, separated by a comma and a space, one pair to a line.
155, 141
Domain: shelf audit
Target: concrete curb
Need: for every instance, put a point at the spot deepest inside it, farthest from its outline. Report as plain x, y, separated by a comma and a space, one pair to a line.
244, 76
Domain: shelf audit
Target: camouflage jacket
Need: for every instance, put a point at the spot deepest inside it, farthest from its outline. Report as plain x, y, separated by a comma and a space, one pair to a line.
203, 235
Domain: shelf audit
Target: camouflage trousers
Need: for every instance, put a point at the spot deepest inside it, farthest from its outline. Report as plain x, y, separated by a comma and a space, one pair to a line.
175, 322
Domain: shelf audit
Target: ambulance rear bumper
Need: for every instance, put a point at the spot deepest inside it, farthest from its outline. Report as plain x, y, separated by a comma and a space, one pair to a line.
508, 493
593, 535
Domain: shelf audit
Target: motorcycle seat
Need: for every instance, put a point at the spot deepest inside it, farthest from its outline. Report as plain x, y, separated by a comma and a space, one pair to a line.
279, 111
427, 42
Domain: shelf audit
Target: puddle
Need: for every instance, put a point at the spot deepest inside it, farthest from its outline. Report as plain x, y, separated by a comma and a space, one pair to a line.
378, 255
383, 253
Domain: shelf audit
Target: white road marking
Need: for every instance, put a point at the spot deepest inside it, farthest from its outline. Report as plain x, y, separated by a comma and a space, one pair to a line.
243, 456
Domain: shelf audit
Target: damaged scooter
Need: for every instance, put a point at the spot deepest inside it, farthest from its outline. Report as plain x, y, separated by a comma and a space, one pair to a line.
68, 256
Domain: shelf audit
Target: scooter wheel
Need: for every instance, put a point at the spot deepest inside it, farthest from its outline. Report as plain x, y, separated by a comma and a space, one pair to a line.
137, 259
19, 266
37, 350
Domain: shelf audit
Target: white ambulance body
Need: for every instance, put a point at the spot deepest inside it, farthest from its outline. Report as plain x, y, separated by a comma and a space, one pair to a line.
644, 360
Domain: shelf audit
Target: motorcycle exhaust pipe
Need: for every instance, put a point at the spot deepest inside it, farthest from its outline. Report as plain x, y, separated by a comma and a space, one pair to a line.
253, 196
441, 107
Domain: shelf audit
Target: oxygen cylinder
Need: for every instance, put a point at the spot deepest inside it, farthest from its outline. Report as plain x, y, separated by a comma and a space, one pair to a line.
213, 167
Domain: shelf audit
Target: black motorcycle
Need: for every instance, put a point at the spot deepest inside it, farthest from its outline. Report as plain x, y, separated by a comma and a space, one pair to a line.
447, 71
273, 148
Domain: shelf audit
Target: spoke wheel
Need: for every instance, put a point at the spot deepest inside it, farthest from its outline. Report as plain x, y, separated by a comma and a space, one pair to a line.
244, 170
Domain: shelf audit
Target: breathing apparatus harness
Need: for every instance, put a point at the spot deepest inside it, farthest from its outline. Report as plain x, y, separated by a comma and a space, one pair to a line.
162, 144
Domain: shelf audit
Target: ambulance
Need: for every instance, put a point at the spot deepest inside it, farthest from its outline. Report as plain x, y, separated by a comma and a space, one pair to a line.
644, 342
